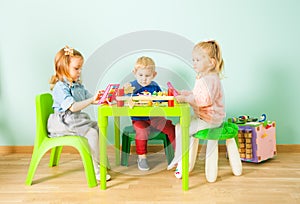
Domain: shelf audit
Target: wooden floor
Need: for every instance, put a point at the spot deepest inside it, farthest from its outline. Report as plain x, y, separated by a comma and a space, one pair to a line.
274, 181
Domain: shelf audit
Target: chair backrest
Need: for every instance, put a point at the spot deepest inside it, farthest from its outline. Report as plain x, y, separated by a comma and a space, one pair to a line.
43, 104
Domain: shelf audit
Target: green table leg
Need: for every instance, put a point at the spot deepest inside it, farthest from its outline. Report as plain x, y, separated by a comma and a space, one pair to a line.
103, 121
185, 122
185, 160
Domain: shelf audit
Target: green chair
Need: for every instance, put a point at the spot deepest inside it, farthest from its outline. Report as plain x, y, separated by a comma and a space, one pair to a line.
129, 135
43, 143
226, 131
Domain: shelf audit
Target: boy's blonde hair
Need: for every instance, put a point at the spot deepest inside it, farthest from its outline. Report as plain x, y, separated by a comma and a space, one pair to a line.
212, 48
144, 62
61, 65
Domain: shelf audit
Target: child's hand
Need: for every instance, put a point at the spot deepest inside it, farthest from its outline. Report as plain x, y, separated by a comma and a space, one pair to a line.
128, 89
180, 98
188, 98
96, 97
185, 92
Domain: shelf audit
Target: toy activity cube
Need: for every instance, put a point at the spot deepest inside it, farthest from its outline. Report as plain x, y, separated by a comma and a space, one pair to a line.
257, 141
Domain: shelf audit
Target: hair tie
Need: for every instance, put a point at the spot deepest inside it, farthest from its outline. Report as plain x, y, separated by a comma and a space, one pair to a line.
68, 50
209, 41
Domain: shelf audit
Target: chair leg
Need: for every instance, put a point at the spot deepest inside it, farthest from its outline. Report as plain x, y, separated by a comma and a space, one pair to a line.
55, 156
211, 162
88, 167
35, 160
234, 157
169, 151
32, 168
108, 166
125, 149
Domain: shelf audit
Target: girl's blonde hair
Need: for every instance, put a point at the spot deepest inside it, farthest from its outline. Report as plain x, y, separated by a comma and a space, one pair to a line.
61, 65
212, 48
144, 62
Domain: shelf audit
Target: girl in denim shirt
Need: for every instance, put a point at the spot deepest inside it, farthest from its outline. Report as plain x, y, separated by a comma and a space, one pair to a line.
69, 98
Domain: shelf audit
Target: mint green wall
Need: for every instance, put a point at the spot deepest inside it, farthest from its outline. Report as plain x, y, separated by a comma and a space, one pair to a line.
260, 42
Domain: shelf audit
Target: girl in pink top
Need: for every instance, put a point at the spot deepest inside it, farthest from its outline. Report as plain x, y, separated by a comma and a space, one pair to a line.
206, 99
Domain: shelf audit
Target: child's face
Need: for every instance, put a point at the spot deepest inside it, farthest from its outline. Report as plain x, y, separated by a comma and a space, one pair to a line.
201, 61
75, 68
144, 76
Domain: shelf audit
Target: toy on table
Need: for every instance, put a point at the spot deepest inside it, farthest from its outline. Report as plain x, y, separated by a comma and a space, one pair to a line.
172, 89
120, 92
128, 89
108, 96
145, 98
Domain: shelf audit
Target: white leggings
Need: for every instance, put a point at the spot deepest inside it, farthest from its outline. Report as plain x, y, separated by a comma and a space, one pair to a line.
93, 139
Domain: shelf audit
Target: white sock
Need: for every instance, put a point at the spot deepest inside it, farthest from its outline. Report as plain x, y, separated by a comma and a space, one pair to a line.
178, 172
142, 156
96, 167
234, 157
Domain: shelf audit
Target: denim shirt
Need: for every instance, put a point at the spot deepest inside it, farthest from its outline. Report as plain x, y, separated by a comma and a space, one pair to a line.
64, 95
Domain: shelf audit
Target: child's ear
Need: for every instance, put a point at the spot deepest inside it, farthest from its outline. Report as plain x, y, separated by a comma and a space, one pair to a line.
154, 74
213, 62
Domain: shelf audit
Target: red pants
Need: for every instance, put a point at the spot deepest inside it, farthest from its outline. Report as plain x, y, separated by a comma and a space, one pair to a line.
143, 128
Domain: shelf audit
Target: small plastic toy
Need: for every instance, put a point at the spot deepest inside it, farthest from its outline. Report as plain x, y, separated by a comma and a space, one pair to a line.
171, 87
242, 119
267, 124
263, 117
120, 92
109, 95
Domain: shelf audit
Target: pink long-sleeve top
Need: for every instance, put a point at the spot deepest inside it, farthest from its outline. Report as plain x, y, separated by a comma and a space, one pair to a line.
208, 96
